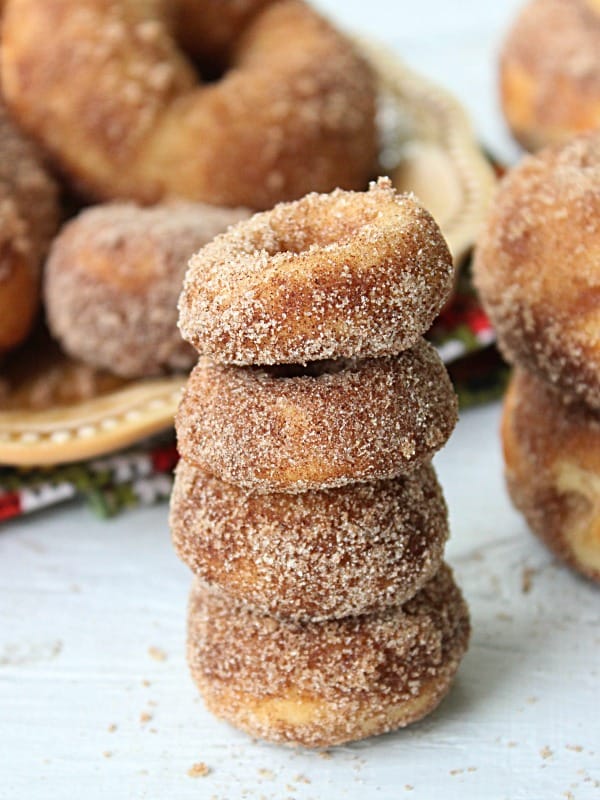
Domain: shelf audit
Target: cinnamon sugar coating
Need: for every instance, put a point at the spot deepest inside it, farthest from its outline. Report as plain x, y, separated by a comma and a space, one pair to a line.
29, 215
348, 274
314, 555
537, 266
552, 457
325, 683
108, 89
278, 429
550, 71
112, 281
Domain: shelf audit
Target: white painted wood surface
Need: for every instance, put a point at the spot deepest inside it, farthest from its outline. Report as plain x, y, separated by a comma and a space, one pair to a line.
84, 603
95, 698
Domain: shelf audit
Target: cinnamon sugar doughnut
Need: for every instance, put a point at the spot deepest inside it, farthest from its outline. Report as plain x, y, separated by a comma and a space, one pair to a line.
29, 214
325, 683
278, 429
552, 455
113, 278
550, 71
106, 87
537, 266
314, 555
349, 274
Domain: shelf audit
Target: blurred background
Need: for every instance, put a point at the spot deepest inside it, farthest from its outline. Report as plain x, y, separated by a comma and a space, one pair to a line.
456, 44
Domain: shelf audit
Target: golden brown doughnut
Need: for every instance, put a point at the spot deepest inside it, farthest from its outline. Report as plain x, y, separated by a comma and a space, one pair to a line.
106, 87
278, 429
112, 281
29, 216
313, 555
325, 683
343, 275
552, 456
550, 71
537, 266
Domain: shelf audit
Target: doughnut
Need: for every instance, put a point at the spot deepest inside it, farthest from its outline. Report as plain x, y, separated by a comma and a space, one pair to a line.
320, 684
552, 457
290, 429
29, 215
344, 275
314, 555
107, 89
537, 266
550, 71
112, 281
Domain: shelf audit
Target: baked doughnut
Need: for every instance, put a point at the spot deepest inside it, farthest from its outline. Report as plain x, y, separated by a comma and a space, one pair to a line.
343, 275
537, 266
107, 89
289, 429
552, 456
313, 555
112, 281
29, 215
550, 71
325, 683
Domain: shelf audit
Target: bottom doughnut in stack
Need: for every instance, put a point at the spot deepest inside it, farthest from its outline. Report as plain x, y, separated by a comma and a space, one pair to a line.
319, 684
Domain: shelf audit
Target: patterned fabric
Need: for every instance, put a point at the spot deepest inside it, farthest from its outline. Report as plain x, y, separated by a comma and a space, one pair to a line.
143, 475
139, 476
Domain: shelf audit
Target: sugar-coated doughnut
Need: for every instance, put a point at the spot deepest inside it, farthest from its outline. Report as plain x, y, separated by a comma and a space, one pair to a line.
537, 266
550, 71
552, 456
29, 215
325, 683
113, 278
109, 91
348, 274
289, 429
313, 555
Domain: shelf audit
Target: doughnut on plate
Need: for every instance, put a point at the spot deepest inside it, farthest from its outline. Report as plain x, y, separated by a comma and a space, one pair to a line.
62, 411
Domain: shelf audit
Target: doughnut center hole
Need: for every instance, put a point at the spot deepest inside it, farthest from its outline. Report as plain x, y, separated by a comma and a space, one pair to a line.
329, 223
208, 70
210, 60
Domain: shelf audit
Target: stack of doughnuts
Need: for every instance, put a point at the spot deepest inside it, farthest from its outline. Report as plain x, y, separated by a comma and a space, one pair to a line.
537, 268
305, 502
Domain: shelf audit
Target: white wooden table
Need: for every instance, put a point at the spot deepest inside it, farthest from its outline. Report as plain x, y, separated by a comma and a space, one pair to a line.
95, 698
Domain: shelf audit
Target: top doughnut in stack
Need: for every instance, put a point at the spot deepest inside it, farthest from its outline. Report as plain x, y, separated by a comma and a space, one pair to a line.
305, 501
